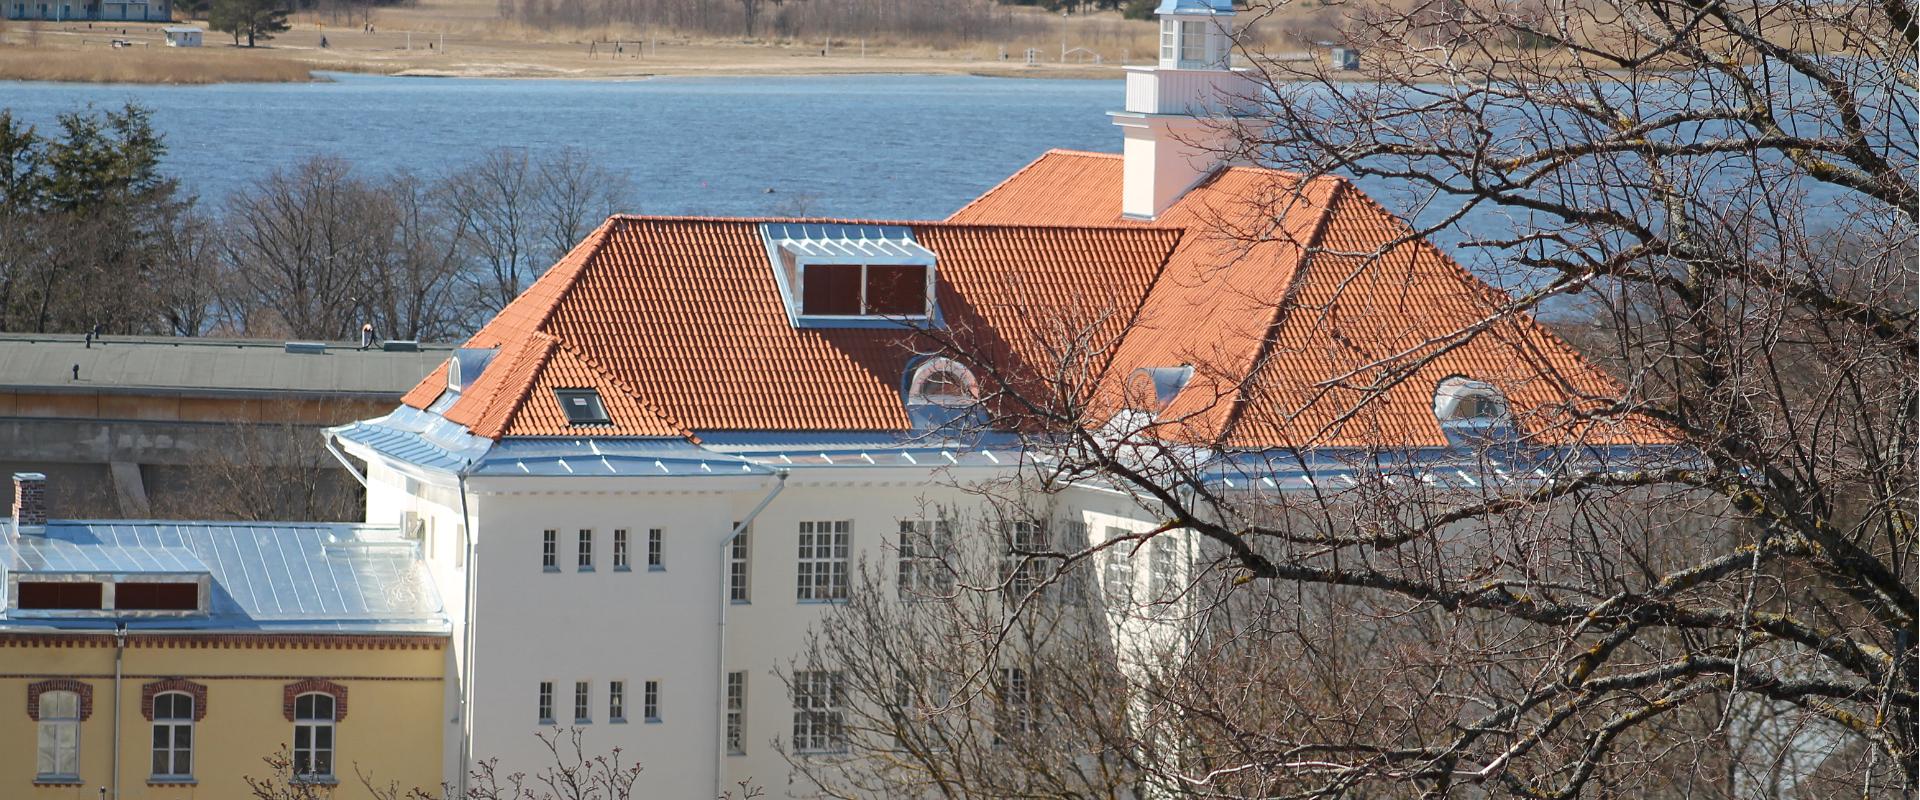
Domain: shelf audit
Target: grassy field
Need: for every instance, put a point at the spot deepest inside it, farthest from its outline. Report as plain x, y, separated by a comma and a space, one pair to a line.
466, 38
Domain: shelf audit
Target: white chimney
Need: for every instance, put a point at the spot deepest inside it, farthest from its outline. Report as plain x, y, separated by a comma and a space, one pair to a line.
1172, 121
29, 504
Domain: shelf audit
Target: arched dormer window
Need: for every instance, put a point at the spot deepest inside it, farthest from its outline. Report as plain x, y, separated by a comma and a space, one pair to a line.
942, 382
1462, 400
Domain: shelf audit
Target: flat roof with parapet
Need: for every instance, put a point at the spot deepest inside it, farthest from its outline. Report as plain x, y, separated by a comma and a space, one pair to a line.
209, 366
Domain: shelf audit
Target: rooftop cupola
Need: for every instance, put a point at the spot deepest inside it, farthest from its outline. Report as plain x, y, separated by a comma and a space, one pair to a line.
1174, 109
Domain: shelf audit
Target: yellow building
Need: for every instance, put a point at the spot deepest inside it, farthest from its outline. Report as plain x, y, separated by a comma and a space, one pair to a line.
215, 646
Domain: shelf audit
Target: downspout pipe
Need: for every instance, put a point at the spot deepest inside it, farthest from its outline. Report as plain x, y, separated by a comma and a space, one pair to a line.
119, 650
720, 649
466, 637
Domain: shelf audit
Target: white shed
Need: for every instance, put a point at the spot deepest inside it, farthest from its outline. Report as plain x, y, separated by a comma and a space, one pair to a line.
181, 36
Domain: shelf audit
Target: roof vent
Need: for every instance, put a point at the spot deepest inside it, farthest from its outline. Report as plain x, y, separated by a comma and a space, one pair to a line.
307, 348
400, 346
583, 407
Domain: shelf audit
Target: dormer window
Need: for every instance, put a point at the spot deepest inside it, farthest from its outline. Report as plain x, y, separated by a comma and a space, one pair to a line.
942, 382
852, 276
864, 290
1460, 400
582, 407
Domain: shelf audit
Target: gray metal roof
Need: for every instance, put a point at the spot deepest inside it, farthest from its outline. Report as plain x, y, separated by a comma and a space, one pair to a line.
206, 366
266, 576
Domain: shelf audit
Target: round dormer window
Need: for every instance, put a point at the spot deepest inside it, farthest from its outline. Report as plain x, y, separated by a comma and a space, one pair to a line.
1460, 399
942, 382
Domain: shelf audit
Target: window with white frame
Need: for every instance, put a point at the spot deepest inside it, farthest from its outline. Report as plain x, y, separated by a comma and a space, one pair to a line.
1193, 44
1013, 704
582, 697
822, 565
586, 550
172, 735
616, 701
818, 717
1072, 586
58, 756
736, 713
925, 545
1116, 571
1162, 567
621, 559
656, 549
550, 550
650, 700
739, 579
544, 707
313, 718
1167, 28
918, 698
1022, 573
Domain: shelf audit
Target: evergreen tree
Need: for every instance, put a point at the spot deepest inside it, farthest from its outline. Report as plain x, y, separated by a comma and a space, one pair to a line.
254, 19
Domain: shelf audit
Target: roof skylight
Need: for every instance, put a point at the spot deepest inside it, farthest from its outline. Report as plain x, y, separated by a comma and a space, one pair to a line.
582, 407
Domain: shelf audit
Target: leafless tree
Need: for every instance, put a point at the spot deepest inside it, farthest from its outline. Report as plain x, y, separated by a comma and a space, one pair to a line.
1718, 202
303, 241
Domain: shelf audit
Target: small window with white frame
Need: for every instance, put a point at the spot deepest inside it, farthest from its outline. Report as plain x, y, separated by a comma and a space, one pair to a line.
550, 550
1116, 571
736, 713
586, 550
57, 757
1163, 567
650, 700
582, 702
825, 547
656, 549
173, 736
739, 568
543, 709
818, 713
622, 559
313, 742
616, 701
1023, 573
926, 569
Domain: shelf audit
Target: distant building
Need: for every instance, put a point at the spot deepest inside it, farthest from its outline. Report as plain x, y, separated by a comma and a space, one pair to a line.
166, 660
182, 36
1346, 59
89, 10
138, 426
651, 473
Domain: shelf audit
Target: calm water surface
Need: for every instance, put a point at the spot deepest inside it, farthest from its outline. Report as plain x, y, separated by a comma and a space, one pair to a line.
869, 146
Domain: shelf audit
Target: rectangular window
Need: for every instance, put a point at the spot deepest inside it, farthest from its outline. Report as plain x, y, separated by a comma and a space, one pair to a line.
736, 713
650, 700
550, 550
156, 596
313, 718
874, 290
1161, 568
545, 707
621, 561
656, 549
1013, 705
616, 701
817, 715
822, 565
738, 577
1193, 44
1022, 573
1166, 38
60, 595
924, 570
1116, 573
582, 695
459, 545
58, 755
173, 735
586, 550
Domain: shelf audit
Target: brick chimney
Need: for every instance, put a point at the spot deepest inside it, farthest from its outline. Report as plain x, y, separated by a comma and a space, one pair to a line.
29, 504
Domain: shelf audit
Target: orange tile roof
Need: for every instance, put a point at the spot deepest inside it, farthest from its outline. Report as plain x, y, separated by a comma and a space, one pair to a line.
679, 323
1291, 299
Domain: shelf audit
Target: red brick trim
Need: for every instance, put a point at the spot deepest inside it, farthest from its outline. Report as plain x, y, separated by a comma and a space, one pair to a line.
34, 690
246, 641
311, 686
159, 687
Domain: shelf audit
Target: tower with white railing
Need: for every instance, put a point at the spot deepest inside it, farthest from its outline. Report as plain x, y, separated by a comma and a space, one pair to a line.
1172, 119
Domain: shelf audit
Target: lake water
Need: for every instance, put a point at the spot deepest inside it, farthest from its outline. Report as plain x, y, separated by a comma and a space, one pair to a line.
902, 147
